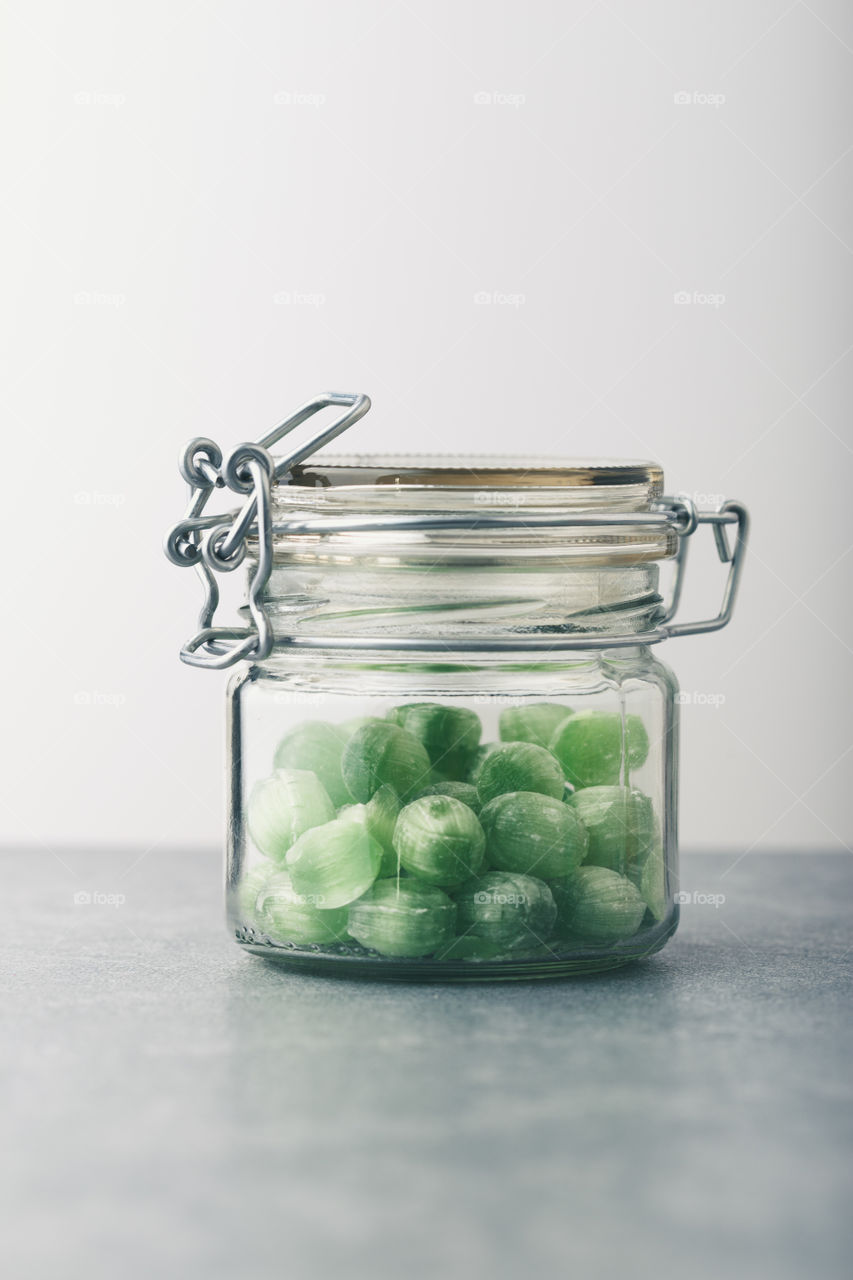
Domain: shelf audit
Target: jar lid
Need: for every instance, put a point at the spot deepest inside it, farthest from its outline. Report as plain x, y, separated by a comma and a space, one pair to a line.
501, 505
474, 471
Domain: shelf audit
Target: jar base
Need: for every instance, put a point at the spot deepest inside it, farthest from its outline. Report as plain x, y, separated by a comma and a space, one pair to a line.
580, 962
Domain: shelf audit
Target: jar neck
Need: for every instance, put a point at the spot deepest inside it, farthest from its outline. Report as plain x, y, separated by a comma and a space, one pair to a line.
461, 602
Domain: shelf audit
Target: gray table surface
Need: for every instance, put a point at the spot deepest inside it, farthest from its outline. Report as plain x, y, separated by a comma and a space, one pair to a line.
178, 1108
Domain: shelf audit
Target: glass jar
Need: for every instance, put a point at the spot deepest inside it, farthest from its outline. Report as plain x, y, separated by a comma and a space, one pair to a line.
453, 754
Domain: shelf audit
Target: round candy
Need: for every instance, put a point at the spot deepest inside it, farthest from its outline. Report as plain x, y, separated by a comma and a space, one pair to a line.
485, 749
249, 886
470, 947
440, 840
317, 746
533, 835
380, 752
464, 791
589, 744
506, 909
403, 918
382, 812
334, 864
288, 916
283, 806
533, 722
379, 816
520, 766
621, 826
598, 906
451, 735
348, 727
653, 883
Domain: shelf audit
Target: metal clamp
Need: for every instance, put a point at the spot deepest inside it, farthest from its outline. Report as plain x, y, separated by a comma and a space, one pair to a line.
730, 512
213, 544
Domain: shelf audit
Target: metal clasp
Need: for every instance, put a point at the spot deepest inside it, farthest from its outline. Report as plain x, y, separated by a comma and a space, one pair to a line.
217, 544
730, 513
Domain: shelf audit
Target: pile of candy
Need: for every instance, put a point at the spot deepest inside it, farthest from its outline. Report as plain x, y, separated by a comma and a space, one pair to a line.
411, 838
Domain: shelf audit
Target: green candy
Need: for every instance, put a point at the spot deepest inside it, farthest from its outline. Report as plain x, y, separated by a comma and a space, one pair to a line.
505, 909
464, 791
288, 916
520, 766
383, 810
348, 727
402, 918
483, 751
597, 906
534, 722
283, 806
249, 886
653, 883
380, 752
334, 864
588, 745
451, 735
621, 826
533, 834
379, 816
439, 840
317, 746
470, 947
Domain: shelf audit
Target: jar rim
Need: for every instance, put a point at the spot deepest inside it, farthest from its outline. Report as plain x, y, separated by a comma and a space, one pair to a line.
472, 471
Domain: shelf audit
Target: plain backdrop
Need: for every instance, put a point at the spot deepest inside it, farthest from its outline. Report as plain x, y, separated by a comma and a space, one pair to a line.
212, 211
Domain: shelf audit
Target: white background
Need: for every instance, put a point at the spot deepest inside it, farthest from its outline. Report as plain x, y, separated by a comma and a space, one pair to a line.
174, 172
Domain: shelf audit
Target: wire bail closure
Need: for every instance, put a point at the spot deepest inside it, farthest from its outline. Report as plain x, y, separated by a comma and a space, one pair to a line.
216, 544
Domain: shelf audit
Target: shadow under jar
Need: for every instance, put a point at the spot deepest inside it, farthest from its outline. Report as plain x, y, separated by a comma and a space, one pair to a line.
459, 759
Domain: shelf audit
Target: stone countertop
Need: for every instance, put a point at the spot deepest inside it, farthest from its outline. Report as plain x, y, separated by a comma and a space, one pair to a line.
176, 1107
